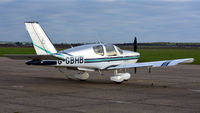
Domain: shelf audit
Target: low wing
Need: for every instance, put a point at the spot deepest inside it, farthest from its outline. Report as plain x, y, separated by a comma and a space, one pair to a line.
31, 56
155, 63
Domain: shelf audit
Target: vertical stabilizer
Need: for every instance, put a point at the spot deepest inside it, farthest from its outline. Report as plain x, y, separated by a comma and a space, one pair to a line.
41, 42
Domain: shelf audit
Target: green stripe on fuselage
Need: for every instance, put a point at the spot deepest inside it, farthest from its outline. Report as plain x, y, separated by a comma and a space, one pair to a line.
48, 51
110, 59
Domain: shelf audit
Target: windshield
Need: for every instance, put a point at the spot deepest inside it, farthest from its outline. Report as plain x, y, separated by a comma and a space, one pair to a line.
120, 51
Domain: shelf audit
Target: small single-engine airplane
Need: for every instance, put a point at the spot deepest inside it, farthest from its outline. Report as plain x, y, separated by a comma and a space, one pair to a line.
85, 58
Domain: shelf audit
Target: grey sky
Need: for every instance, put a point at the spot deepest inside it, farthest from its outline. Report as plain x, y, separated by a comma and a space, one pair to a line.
110, 21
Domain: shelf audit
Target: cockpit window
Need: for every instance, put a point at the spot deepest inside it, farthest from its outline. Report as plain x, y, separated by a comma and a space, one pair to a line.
120, 51
110, 50
99, 50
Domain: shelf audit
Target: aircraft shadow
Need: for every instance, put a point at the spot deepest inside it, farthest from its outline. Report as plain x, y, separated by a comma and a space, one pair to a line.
131, 83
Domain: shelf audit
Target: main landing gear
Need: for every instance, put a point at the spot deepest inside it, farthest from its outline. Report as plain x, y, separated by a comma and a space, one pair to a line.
82, 76
120, 77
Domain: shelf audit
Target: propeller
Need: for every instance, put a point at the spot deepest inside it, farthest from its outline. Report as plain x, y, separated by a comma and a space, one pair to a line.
135, 50
135, 70
135, 45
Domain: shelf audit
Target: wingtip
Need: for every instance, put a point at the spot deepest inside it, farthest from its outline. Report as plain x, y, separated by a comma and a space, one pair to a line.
189, 60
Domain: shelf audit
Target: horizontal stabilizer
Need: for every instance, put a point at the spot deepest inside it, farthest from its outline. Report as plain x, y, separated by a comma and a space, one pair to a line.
155, 63
30, 56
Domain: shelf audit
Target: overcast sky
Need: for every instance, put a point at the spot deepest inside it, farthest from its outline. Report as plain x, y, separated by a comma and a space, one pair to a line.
113, 21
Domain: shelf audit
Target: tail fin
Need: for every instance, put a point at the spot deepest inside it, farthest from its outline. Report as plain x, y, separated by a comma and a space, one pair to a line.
41, 42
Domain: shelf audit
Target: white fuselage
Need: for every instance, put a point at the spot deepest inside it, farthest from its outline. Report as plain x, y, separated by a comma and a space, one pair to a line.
85, 57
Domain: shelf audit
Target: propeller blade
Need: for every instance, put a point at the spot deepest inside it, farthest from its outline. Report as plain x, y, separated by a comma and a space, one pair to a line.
135, 44
135, 70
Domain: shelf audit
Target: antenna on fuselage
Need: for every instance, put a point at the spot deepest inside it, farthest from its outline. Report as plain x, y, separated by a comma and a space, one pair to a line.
71, 45
99, 42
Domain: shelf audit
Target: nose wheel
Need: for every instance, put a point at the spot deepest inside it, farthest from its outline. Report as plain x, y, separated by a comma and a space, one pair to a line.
82, 76
120, 77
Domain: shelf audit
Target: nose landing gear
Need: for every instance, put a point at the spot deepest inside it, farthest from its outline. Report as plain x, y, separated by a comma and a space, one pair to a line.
82, 76
120, 77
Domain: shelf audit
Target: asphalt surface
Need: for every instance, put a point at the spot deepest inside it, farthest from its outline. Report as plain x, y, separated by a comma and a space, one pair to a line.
35, 89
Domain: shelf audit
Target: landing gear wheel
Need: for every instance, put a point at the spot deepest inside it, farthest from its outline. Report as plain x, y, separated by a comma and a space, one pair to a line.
126, 76
120, 77
82, 77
